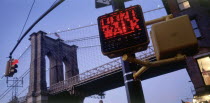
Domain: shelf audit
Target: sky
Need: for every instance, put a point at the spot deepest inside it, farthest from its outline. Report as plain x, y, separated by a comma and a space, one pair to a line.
168, 88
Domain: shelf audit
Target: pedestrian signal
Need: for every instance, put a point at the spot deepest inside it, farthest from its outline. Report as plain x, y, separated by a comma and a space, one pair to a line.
123, 32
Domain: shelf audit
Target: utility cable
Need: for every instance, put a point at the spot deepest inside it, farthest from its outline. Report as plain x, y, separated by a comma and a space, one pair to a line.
23, 91
43, 15
96, 24
26, 19
27, 71
54, 3
29, 29
10, 88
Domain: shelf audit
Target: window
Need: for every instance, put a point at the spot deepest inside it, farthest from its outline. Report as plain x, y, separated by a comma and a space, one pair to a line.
195, 28
183, 4
204, 65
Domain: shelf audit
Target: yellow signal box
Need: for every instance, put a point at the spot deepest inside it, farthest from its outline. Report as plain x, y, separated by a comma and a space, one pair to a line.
172, 37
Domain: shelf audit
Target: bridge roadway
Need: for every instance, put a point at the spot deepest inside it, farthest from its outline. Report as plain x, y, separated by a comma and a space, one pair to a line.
109, 76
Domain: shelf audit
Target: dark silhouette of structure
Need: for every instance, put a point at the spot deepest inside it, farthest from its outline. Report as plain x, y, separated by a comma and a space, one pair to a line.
199, 13
76, 86
58, 53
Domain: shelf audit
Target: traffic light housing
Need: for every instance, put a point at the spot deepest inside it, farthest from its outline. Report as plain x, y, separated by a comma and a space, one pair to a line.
123, 32
172, 37
11, 67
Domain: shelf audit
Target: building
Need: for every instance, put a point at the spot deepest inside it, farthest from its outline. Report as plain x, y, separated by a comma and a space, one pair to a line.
198, 66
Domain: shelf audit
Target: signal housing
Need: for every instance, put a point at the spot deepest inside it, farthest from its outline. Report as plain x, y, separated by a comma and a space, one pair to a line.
123, 32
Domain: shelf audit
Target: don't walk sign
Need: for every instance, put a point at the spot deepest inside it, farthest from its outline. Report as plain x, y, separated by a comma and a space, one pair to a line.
103, 3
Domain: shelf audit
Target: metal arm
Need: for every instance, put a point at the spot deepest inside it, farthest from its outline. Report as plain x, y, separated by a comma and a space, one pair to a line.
29, 29
164, 18
147, 64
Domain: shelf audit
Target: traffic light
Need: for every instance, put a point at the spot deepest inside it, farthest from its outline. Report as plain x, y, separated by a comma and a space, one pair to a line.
11, 67
123, 32
172, 37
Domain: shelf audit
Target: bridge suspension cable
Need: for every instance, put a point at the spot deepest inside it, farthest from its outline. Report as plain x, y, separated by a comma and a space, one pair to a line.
85, 38
67, 30
67, 41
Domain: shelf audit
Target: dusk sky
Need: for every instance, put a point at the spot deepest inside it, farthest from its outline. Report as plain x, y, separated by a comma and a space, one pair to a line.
168, 88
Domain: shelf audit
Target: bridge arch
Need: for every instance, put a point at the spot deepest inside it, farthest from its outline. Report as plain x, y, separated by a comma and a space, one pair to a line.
58, 54
53, 71
70, 71
47, 68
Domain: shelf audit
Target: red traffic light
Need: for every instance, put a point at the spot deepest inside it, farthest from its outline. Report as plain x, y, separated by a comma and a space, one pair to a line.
15, 61
11, 67
123, 32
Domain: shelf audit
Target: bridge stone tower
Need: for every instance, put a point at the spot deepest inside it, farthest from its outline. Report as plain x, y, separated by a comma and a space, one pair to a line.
58, 53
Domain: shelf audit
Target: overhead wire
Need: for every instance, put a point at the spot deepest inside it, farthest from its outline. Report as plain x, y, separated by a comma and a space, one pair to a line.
10, 88
32, 26
80, 39
54, 3
21, 34
27, 71
26, 19
23, 91
67, 30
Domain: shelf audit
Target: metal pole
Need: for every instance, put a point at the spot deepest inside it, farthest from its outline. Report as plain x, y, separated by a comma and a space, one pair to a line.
29, 29
16, 86
13, 89
117, 4
134, 89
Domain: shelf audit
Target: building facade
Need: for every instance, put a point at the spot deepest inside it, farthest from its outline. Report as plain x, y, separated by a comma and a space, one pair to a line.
198, 66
